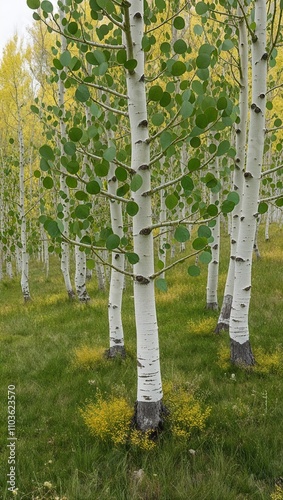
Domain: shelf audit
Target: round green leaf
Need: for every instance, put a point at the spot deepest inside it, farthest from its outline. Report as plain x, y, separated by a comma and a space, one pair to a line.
48, 182
223, 148
193, 270
82, 93
69, 148
131, 64
204, 232
203, 61
112, 242
157, 119
71, 182
110, 153
227, 206
212, 210
199, 243
179, 23
201, 8
136, 182
46, 152
182, 234
121, 174
132, 257
222, 103
165, 47
47, 6
171, 201
81, 196
262, 207
101, 169
155, 93
201, 121
82, 211
65, 58
180, 47
33, 4
194, 164
178, 68
205, 257
161, 284
75, 134
234, 197
132, 208
93, 187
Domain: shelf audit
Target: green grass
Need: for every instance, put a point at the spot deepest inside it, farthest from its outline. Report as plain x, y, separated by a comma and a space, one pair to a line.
239, 455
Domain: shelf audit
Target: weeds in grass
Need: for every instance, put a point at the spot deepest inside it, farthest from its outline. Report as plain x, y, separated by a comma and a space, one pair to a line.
87, 358
278, 493
265, 362
202, 327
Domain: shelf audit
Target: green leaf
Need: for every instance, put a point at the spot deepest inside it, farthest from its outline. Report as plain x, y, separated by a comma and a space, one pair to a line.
199, 243
131, 64
212, 210
75, 134
180, 47
52, 228
171, 201
179, 23
46, 152
34, 109
182, 234
136, 182
157, 119
222, 103
81, 196
165, 47
155, 93
205, 257
33, 4
48, 182
187, 183
227, 44
101, 169
193, 270
112, 242
65, 58
121, 174
204, 232
82, 93
223, 148
161, 284
203, 61
132, 257
82, 211
110, 153
279, 202
234, 197
262, 207
201, 121
69, 148
194, 164
178, 68
132, 208
227, 206
47, 6
71, 182
201, 8
93, 187
90, 264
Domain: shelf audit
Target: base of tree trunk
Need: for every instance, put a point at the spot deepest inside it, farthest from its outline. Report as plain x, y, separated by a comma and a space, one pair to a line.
212, 306
84, 298
71, 294
27, 298
223, 325
241, 354
149, 416
116, 351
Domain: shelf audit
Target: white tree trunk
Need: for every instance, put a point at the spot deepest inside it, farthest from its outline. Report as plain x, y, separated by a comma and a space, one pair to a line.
116, 332
149, 390
239, 328
80, 274
213, 267
65, 252
238, 175
163, 231
24, 253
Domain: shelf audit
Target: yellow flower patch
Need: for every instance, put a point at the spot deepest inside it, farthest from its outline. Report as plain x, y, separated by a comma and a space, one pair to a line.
88, 357
202, 327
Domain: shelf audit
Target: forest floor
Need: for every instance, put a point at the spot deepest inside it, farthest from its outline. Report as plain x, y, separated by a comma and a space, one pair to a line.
45, 354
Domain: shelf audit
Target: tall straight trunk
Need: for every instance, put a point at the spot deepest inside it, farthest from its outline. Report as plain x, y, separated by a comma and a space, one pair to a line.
241, 352
213, 267
163, 232
65, 253
149, 391
116, 332
238, 175
23, 222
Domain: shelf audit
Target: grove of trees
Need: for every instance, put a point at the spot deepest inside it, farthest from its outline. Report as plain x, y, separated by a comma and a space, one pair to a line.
132, 133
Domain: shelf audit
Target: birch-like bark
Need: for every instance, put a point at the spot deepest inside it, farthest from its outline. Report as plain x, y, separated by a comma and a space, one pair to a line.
213, 267
116, 332
241, 352
65, 252
238, 175
149, 390
23, 222
163, 232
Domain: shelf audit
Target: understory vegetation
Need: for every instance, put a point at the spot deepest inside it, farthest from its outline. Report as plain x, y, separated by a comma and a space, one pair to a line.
222, 436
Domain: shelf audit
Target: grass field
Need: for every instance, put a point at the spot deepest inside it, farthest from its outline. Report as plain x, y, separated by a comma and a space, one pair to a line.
239, 454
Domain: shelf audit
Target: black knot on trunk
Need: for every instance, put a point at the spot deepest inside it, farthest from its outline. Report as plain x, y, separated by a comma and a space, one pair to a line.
142, 280
143, 123
262, 96
248, 175
145, 231
144, 167
238, 131
257, 110
137, 15
265, 56
142, 78
253, 106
